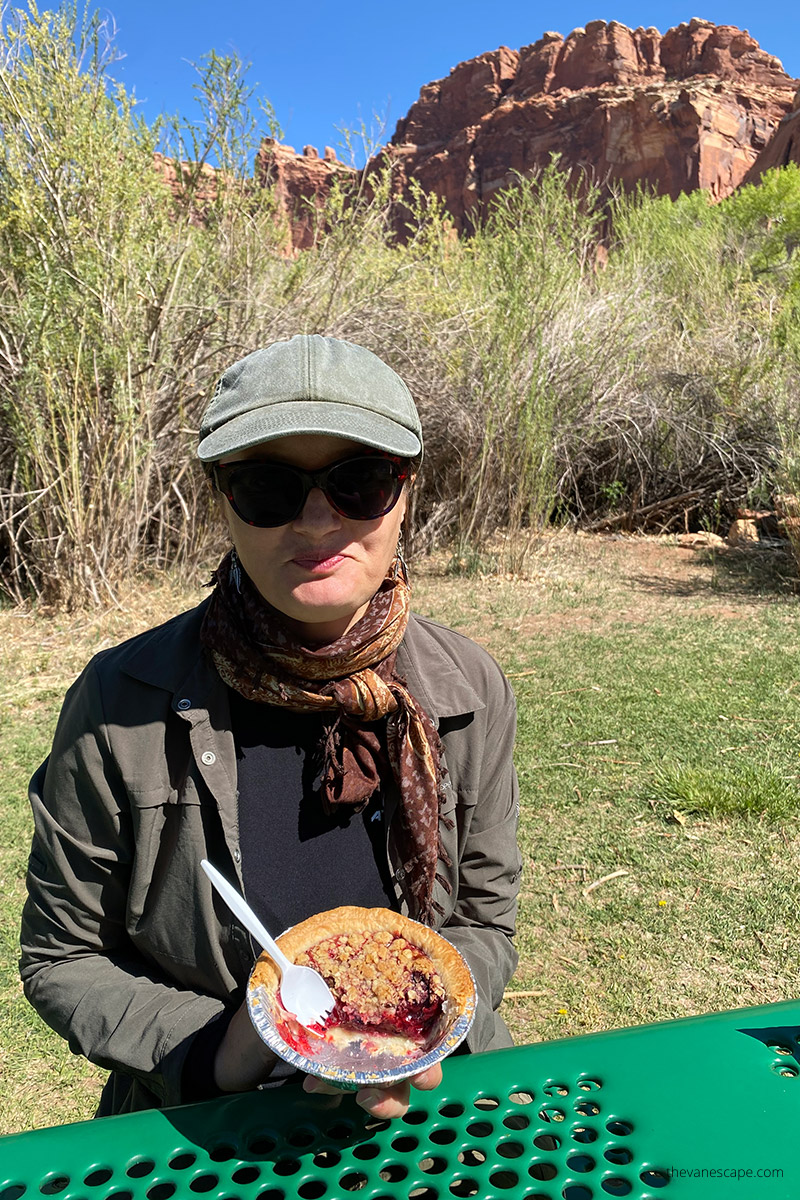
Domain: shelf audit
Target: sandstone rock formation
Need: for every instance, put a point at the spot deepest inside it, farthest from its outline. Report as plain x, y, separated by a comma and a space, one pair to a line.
696, 107
176, 175
784, 146
692, 108
301, 183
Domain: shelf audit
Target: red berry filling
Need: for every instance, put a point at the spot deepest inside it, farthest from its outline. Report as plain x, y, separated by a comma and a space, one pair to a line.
382, 984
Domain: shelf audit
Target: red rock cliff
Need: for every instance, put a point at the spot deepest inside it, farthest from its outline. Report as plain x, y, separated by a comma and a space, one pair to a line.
700, 106
692, 108
783, 148
301, 183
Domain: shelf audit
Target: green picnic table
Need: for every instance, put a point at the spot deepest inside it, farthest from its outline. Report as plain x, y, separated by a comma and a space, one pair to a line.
704, 1107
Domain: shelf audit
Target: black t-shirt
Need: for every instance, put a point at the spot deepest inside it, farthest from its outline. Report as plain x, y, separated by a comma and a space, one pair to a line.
297, 859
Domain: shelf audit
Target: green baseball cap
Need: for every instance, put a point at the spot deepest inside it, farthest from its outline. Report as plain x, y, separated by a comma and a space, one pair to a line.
310, 384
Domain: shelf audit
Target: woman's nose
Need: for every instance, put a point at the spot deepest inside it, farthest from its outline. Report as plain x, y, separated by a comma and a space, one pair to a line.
317, 516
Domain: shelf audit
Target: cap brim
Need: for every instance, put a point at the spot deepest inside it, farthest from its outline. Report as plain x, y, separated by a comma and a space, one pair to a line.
308, 416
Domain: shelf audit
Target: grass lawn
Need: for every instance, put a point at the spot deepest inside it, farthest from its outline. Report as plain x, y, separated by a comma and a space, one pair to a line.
658, 758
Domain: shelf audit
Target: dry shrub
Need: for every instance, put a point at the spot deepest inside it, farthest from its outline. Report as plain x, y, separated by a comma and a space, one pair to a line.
661, 388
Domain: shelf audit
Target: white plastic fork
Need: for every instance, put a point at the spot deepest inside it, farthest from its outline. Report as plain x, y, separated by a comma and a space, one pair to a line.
303, 990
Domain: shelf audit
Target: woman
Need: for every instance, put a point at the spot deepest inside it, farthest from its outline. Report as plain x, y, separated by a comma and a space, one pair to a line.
300, 728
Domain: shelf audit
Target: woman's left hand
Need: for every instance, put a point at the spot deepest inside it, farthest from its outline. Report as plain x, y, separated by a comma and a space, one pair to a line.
383, 1102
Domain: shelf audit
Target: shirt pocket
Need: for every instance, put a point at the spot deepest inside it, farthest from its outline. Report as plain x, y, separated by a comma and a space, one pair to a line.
169, 842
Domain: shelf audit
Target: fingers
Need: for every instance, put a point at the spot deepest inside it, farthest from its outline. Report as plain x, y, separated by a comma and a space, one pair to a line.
385, 1103
393, 1102
426, 1081
321, 1087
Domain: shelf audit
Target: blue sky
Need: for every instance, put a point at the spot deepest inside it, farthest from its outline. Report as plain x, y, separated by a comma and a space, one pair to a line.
327, 65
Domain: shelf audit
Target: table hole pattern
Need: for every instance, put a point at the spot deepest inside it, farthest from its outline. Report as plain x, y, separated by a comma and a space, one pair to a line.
785, 1070
464, 1187
543, 1170
516, 1121
504, 1179
394, 1173
221, 1152
54, 1185
139, 1169
312, 1190
161, 1191
98, 1176
552, 1139
510, 1149
182, 1162
354, 1181
366, 1150
301, 1137
203, 1183
246, 1174
618, 1155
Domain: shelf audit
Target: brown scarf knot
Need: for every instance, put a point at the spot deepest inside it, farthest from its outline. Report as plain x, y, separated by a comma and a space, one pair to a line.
355, 680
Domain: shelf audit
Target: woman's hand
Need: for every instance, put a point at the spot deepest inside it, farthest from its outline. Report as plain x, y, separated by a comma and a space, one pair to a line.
242, 1061
383, 1102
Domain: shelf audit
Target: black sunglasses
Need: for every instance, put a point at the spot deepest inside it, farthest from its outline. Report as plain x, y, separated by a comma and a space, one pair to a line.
267, 494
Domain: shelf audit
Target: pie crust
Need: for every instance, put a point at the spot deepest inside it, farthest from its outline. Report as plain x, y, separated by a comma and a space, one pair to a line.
368, 956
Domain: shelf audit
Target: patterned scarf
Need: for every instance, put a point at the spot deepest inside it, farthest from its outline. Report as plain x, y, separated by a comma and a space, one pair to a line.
354, 680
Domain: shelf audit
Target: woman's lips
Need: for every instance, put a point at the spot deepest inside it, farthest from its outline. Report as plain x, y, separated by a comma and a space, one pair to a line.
315, 563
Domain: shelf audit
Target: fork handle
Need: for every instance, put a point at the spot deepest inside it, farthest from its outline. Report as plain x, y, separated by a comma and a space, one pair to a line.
241, 909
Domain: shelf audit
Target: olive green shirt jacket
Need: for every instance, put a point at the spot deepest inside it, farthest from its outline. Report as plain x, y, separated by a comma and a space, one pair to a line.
126, 951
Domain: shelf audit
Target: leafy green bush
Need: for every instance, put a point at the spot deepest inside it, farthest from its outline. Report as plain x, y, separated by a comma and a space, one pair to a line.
116, 304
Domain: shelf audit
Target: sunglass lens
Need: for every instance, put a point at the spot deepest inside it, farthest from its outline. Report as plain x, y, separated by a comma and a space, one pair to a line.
364, 488
267, 495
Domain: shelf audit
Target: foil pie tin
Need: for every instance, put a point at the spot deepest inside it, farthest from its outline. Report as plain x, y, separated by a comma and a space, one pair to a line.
355, 1065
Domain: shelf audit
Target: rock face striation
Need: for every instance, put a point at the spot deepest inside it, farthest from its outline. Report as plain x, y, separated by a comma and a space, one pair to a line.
691, 108
701, 106
784, 147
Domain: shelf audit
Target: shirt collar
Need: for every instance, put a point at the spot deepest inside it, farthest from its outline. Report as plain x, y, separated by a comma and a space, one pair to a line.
433, 675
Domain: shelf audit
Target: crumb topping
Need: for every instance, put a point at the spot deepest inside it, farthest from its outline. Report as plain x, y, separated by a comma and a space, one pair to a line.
379, 980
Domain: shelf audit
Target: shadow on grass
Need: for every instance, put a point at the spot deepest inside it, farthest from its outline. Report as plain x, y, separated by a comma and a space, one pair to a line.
768, 570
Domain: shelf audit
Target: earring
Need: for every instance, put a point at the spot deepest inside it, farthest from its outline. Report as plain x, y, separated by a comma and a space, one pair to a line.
235, 571
400, 567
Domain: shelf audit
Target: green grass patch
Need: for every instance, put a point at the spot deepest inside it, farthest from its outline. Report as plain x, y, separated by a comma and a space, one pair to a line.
657, 752
749, 790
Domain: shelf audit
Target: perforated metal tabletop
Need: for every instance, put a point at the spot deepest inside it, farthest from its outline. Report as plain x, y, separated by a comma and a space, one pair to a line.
707, 1107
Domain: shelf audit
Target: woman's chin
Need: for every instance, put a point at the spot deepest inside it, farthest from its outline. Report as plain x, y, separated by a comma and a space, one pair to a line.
325, 615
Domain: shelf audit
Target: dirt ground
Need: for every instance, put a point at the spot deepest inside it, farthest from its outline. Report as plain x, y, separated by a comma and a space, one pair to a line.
589, 582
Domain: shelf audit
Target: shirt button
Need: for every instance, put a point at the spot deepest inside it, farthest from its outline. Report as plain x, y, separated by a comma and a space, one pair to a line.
184, 704
237, 856
400, 874
208, 758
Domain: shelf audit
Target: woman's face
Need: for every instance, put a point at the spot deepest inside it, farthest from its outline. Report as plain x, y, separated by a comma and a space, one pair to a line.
320, 570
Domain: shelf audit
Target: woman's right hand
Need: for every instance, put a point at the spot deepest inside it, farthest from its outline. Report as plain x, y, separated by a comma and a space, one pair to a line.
242, 1061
